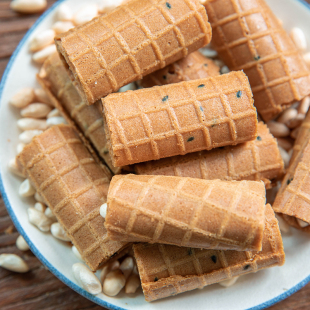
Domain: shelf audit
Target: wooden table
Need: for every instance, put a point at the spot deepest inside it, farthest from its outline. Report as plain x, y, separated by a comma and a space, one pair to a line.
40, 289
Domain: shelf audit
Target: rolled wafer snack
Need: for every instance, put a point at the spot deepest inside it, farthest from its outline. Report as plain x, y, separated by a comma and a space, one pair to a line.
180, 118
131, 41
248, 36
186, 212
293, 198
302, 137
195, 66
74, 186
255, 160
168, 270
55, 80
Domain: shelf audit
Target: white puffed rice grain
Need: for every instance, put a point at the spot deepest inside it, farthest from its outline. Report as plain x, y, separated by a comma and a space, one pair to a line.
62, 26
53, 113
41, 96
13, 262
49, 213
14, 168
38, 219
133, 282
103, 210
287, 115
58, 232
21, 244
85, 14
77, 253
302, 224
113, 283
26, 189
296, 122
20, 146
22, 98
299, 38
41, 40
36, 110
28, 135
127, 266
56, 120
278, 129
31, 123
285, 156
28, 6
38, 197
86, 279
40, 56
64, 13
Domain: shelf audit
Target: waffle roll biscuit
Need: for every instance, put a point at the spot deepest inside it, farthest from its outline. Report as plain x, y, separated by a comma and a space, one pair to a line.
293, 198
186, 212
55, 80
133, 40
74, 186
302, 137
256, 160
247, 35
168, 270
177, 119
195, 66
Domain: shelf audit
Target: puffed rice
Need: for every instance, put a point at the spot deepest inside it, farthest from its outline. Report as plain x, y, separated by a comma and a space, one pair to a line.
28, 6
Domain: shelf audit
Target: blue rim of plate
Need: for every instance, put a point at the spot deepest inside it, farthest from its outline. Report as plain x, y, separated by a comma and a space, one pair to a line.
34, 249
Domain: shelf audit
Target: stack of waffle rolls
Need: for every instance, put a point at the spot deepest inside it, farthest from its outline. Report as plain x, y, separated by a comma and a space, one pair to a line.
255, 160
168, 270
198, 201
248, 36
74, 186
187, 212
133, 40
181, 118
55, 80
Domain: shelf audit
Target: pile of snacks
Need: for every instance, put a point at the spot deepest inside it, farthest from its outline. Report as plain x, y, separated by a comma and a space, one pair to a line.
194, 211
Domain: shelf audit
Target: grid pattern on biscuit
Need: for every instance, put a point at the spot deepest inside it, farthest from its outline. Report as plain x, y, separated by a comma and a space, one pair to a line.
303, 135
55, 101
202, 267
165, 218
182, 134
292, 197
70, 198
304, 148
295, 199
88, 118
134, 18
202, 162
248, 39
194, 66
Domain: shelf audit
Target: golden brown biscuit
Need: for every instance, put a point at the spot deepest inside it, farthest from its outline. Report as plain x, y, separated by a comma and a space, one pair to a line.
181, 118
249, 37
186, 212
167, 270
131, 41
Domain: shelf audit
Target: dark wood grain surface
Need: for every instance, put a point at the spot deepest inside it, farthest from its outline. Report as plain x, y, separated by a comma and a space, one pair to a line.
39, 289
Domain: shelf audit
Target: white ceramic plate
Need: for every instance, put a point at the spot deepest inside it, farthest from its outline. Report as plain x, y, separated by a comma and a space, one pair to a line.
254, 291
